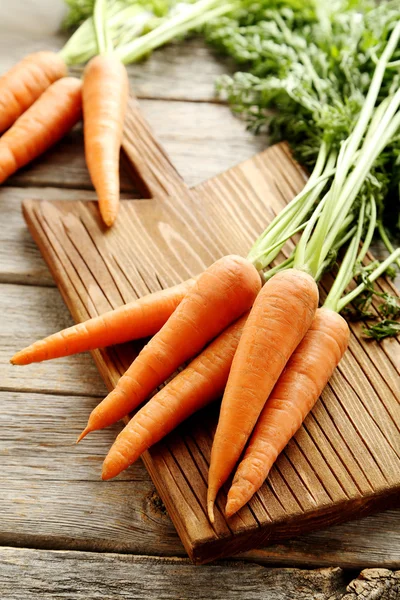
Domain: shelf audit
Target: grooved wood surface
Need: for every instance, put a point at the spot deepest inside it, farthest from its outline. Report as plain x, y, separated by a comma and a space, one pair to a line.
71, 575
345, 460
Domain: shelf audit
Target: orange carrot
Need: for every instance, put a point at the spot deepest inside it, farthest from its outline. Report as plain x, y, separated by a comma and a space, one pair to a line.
201, 383
220, 295
138, 319
105, 97
42, 125
278, 321
22, 85
298, 388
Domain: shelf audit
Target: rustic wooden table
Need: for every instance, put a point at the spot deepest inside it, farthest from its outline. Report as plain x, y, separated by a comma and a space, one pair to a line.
64, 533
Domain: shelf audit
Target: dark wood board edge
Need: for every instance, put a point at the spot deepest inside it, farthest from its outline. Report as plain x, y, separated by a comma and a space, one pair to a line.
207, 551
144, 158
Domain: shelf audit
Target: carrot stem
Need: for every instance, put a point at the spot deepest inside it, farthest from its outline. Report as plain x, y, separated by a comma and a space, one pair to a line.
372, 277
104, 45
190, 17
386, 240
295, 212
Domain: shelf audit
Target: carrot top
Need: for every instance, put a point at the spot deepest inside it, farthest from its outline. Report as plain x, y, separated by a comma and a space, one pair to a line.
337, 207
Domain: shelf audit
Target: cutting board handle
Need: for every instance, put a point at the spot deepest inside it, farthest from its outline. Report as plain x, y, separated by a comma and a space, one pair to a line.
146, 160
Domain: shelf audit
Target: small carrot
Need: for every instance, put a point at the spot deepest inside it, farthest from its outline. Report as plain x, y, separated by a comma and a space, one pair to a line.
299, 387
42, 125
220, 295
105, 98
199, 384
278, 321
22, 85
138, 319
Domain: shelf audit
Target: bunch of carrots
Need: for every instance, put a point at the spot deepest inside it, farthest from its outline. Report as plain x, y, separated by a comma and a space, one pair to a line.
39, 103
254, 336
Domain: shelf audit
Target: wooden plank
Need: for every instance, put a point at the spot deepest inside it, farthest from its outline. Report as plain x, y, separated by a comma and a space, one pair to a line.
40, 461
76, 575
32, 313
20, 261
50, 490
171, 73
20, 258
166, 240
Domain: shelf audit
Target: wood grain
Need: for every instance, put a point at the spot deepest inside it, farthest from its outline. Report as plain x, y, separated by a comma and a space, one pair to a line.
20, 258
202, 139
20, 261
76, 575
40, 461
32, 313
344, 461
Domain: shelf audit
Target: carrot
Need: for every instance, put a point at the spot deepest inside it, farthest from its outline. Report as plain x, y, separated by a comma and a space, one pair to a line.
138, 319
42, 125
220, 295
22, 85
278, 321
299, 387
105, 97
201, 383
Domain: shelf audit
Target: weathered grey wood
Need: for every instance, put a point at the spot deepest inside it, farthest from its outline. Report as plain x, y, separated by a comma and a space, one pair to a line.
39, 574
202, 139
374, 584
51, 495
173, 73
370, 542
20, 261
30, 313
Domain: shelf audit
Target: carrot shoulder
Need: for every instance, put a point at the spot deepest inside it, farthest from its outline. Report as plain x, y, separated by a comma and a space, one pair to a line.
297, 390
42, 125
278, 321
200, 383
138, 319
220, 295
105, 97
22, 85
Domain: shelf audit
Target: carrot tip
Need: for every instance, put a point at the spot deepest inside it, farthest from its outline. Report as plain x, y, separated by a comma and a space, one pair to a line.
210, 509
84, 434
232, 506
106, 472
18, 358
108, 216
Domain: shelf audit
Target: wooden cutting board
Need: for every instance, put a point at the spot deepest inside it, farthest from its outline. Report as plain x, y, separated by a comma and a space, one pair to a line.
345, 460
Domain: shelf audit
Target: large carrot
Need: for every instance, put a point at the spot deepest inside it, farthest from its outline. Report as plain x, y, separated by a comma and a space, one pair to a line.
278, 321
105, 97
220, 295
200, 383
42, 125
22, 85
138, 319
299, 387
